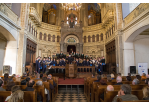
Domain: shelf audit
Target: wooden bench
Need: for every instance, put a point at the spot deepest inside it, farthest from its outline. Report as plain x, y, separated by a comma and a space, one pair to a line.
29, 96
53, 96
41, 91
108, 96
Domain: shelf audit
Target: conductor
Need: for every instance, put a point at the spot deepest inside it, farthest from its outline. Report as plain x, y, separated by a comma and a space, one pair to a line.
69, 59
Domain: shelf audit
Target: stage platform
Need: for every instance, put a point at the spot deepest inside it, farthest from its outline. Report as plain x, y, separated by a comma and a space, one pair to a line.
71, 82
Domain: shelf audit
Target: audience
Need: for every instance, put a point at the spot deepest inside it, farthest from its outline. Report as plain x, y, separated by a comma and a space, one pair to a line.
49, 77
16, 95
98, 78
24, 74
9, 85
138, 77
125, 94
6, 75
135, 81
112, 76
146, 81
128, 78
145, 93
143, 77
37, 76
1, 85
119, 74
119, 80
109, 88
30, 85
103, 82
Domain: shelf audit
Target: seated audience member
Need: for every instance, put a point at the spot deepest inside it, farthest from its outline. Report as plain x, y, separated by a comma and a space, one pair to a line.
138, 77
49, 77
29, 87
27, 79
24, 74
103, 82
112, 76
109, 79
98, 78
93, 75
44, 79
14, 75
129, 74
23, 82
128, 78
146, 81
15, 90
145, 93
143, 77
135, 81
109, 88
41, 75
119, 80
125, 94
119, 74
39, 83
1, 85
37, 76
9, 85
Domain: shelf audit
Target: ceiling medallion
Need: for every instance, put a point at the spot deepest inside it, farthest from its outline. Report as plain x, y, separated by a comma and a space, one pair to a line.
72, 6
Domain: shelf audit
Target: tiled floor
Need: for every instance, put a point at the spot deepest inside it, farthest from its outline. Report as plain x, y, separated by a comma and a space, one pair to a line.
70, 96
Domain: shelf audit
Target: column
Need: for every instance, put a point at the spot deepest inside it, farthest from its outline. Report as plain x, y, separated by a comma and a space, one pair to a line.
77, 47
61, 47
81, 48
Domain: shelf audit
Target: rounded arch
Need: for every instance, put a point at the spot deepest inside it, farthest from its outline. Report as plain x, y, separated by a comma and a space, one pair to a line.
136, 33
71, 36
7, 34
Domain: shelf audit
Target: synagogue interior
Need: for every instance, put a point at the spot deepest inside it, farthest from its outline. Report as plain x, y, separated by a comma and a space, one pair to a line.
74, 52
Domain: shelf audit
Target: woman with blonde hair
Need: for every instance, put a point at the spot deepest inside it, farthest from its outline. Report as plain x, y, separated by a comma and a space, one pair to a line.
145, 93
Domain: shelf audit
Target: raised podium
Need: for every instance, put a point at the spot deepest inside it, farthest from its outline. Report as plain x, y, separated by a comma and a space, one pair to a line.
71, 70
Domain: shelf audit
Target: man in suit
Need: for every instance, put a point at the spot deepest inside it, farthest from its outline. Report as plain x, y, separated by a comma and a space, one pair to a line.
43, 65
61, 55
1, 85
37, 64
119, 80
82, 56
54, 62
125, 94
69, 59
57, 55
49, 57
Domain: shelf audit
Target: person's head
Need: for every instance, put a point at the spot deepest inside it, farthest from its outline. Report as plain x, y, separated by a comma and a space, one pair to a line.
138, 76
110, 88
143, 74
39, 83
109, 79
128, 78
99, 77
147, 80
24, 74
15, 88
1, 82
119, 79
135, 81
6, 75
125, 89
44, 79
145, 92
41, 75
23, 82
112, 75
27, 79
129, 74
30, 83
9, 85
37, 75
119, 74
93, 74
103, 82
50, 76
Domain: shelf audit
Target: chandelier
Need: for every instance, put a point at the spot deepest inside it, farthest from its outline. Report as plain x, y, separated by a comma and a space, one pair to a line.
71, 6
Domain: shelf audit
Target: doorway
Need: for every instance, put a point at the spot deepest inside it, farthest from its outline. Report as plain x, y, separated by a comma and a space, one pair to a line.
71, 48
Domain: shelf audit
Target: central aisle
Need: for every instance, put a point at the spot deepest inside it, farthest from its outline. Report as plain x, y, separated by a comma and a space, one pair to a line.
69, 96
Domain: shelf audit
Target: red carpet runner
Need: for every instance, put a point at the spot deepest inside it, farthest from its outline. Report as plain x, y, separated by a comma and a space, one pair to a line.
76, 81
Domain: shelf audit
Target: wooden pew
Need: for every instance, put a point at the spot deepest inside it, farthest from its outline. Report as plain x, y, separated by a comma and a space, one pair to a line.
53, 96
29, 96
87, 82
22, 87
47, 86
41, 91
93, 90
89, 85
108, 96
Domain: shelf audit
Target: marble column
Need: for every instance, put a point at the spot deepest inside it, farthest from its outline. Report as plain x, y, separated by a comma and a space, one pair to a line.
81, 48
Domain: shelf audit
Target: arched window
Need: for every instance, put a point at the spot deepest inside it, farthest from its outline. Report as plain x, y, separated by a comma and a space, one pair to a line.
53, 38
97, 37
93, 38
40, 36
45, 36
89, 38
101, 37
84, 39
58, 38
49, 37
30, 27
